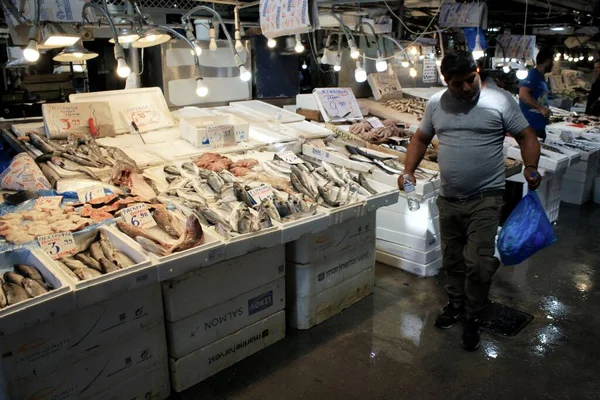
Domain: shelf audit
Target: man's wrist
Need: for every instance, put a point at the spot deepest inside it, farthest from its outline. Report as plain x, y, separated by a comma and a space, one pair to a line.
530, 166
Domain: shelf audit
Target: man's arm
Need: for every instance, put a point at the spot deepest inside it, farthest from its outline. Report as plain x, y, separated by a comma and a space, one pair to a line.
526, 97
416, 150
530, 152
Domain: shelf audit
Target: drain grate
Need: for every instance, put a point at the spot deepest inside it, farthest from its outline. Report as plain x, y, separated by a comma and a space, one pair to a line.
504, 320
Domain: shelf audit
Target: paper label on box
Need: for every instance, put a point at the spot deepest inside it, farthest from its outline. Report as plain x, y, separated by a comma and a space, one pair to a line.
146, 117
58, 245
138, 215
90, 193
375, 122
48, 202
338, 104
260, 193
384, 85
220, 136
63, 119
289, 157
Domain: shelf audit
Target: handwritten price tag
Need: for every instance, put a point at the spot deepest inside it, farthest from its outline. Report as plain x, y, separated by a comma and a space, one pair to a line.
138, 215
48, 202
289, 157
220, 136
260, 193
58, 245
90, 193
375, 122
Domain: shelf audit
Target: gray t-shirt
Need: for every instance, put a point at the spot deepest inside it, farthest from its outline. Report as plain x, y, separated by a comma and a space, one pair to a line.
471, 137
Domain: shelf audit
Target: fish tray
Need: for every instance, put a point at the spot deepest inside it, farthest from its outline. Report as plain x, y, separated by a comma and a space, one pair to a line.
32, 312
386, 195
104, 287
345, 213
249, 242
267, 111
293, 230
337, 159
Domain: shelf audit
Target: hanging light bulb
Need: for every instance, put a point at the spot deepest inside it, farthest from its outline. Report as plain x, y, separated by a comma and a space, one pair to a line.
201, 89
338, 63
197, 48
438, 62
581, 57
31, 52
413, 51
513, 60
212, 46
405, 64
324, 58
558, 55
123, 69
506, 68
245, 75
570, 59
412, 72
299, 46
507, 59
304, 66
360, 75
477, 50
271, 43
521, 72
354, 53
380, 64
591, 58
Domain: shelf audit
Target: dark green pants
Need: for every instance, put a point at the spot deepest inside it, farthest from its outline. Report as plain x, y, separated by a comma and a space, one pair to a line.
468, 231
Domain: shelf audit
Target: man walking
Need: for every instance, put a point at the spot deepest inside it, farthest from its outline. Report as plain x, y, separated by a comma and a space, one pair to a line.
470, 122
533, 93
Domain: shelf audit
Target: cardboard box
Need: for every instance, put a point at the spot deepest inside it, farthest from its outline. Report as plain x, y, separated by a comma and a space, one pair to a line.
152, 384
199, 330
333, 240
422, 270
103, 369
306, 312
203, 363
204, 288
407, 253
423, 244
44, 348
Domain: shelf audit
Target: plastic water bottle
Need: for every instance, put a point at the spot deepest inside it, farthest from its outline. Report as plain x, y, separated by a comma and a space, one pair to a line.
411, 195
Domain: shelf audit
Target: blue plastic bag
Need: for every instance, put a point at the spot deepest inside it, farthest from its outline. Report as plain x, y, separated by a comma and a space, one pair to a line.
526, 231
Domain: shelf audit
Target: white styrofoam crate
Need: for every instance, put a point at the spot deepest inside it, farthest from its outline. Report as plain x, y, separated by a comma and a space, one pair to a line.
32, 312
334, 239
422, 270
581, 176
200, 330
304, 280
249, 242
410, 224
267, 111
103, 369
423, 244
576, 192
386, 196
203, 363
427, 207
42, 349
194, 129
407, 253
424, 188
293, 230
204, 288
152, 384
304, 313
553, 214
549, 160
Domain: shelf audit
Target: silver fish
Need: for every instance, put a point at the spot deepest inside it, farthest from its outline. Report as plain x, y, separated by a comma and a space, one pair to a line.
237, 213
214, 218
269, 207
88, 261
215, 181
73, 264
227, 176
264, 219
355, 187
119, 155
303, 177
171, 170
33, 287
86, 273
29, 272
333, 172
283, 208
343, 195
362, 181
300, 187
71, 166
202, 187
281, 166
246, 223
327, 195
66, 270
150, 246
107, 266
14, 293
40, 143
227, 193
269, 170
178, 183
107, 247
360, 158
123, 260
241, 194
191, 196
190, 167
96, 252
82, 160
13, 277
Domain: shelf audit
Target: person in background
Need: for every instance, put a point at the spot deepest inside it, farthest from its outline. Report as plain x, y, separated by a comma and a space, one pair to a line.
470, 122
533, 93
593, 103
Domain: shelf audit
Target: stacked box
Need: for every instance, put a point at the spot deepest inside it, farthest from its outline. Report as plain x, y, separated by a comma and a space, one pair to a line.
90, 351
578, 181
549, 192
329, 271
211, 310
410, 240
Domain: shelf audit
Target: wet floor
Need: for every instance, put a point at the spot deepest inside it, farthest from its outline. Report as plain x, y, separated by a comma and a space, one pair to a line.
386, 347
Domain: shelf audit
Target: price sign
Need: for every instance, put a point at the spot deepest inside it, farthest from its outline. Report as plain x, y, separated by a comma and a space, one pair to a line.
138, 215
337, 104
318, 143
260, 193
90, 193
375, 122
289, 157
384, 85
48, 202
429, 70
220, 136
58, 245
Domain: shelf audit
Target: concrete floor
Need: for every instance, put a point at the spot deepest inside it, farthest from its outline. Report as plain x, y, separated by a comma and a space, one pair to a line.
386, 347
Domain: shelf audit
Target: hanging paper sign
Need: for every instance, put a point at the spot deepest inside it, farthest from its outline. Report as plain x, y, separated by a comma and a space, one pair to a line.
461, 15
220, 136
138, 215
518, 46
429, 70
385, 86
337, 104
284, 17
48, 202
58, 245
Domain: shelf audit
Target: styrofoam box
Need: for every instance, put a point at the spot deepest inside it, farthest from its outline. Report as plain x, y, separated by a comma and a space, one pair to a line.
204, 288
152, 384
423, 244
583, 166
386, 196
550, 161
576, 192
423, 188
339, 215
194, 129
407, 253
305, 280
334, 239
293, 230
409, 224
249, 242
103, 369
581, 176
422, 270
41, 349
203, 363
306, 312
33, 311
199, 330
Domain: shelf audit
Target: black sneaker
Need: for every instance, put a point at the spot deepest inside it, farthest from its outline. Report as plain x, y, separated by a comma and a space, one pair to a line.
450, 314
471, 335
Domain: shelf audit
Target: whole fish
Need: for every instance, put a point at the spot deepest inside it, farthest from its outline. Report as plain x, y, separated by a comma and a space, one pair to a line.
14, 293
215, 181
107, 266
192, 236
123, 260
246, 223
387, 168
107, 247
98, 159
300, 187
202, 187
355, 187
86, 273
281, 167
73, 264
96, 252
333, 172
214, 218
241, 194
360, 158
71, 166
171, 170
190, 167
135, 232
178, 183
343, 195
228, 193
264, 219
40, 143
66, 270
283, 209
362, 181
167, 222
119, 155
303, 178
171, 178
13, 277
268, 168
294, 204
191, 196
327, 195
269, 207
50, 174
81, 160
3, 299
33, 288
29, 272
151, 246
227, 176
237, 213
88, 261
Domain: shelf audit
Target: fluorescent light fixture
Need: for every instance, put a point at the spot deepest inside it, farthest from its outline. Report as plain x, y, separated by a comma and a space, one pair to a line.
558, 28
60, 41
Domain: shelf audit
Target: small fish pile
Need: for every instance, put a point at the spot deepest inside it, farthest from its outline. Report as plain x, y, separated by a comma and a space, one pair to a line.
109, 206
415, 107
99, 258
24, 226
217, 163
155, 239
23, 283
365, 130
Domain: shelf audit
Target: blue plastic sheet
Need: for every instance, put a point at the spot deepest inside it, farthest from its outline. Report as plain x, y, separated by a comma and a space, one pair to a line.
526, 231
